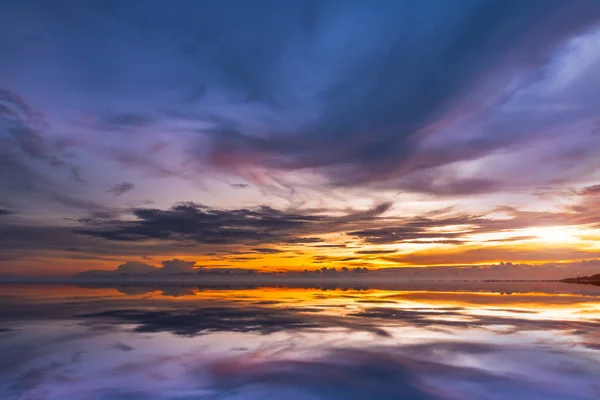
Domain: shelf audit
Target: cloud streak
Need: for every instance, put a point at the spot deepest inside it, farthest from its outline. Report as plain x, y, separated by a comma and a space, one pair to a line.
121, 188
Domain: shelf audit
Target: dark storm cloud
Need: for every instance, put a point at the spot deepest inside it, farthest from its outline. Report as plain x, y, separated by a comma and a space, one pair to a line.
121, 188
384, 90
190, 221
204, 225
354, 92
4, 212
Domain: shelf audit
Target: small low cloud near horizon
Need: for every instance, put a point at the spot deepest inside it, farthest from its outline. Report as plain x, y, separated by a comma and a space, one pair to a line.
280, 137
197, 274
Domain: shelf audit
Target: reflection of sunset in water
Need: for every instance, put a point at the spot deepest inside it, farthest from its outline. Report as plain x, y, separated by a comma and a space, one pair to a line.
565, 302
443, 342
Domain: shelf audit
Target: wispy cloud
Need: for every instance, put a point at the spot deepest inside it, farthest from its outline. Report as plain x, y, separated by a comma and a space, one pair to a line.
121, 188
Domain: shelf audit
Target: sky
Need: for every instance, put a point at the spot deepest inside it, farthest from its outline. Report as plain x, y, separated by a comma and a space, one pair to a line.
290, 135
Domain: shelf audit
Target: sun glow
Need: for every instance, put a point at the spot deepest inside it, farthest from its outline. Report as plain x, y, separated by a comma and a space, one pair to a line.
555, 234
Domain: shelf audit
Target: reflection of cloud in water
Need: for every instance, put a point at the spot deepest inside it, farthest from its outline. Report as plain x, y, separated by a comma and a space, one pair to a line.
430, 371
377, 320
189, 322
443, 317
398, 374
173, 291
505, 288
298, 344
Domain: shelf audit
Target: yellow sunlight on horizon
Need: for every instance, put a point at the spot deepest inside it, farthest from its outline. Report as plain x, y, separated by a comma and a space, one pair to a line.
557, 234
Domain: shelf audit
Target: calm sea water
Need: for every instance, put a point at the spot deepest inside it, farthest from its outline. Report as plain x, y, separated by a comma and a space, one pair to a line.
422, 341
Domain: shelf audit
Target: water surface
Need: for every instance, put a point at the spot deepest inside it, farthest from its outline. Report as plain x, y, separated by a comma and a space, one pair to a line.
417, 341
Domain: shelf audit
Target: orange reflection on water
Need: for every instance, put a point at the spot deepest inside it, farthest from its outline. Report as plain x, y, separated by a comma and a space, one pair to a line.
559, 301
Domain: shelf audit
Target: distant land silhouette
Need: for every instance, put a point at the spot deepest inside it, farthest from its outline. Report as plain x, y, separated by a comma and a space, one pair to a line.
589, 280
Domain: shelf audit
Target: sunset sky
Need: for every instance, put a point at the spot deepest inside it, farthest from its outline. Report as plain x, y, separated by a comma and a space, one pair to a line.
293, 135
